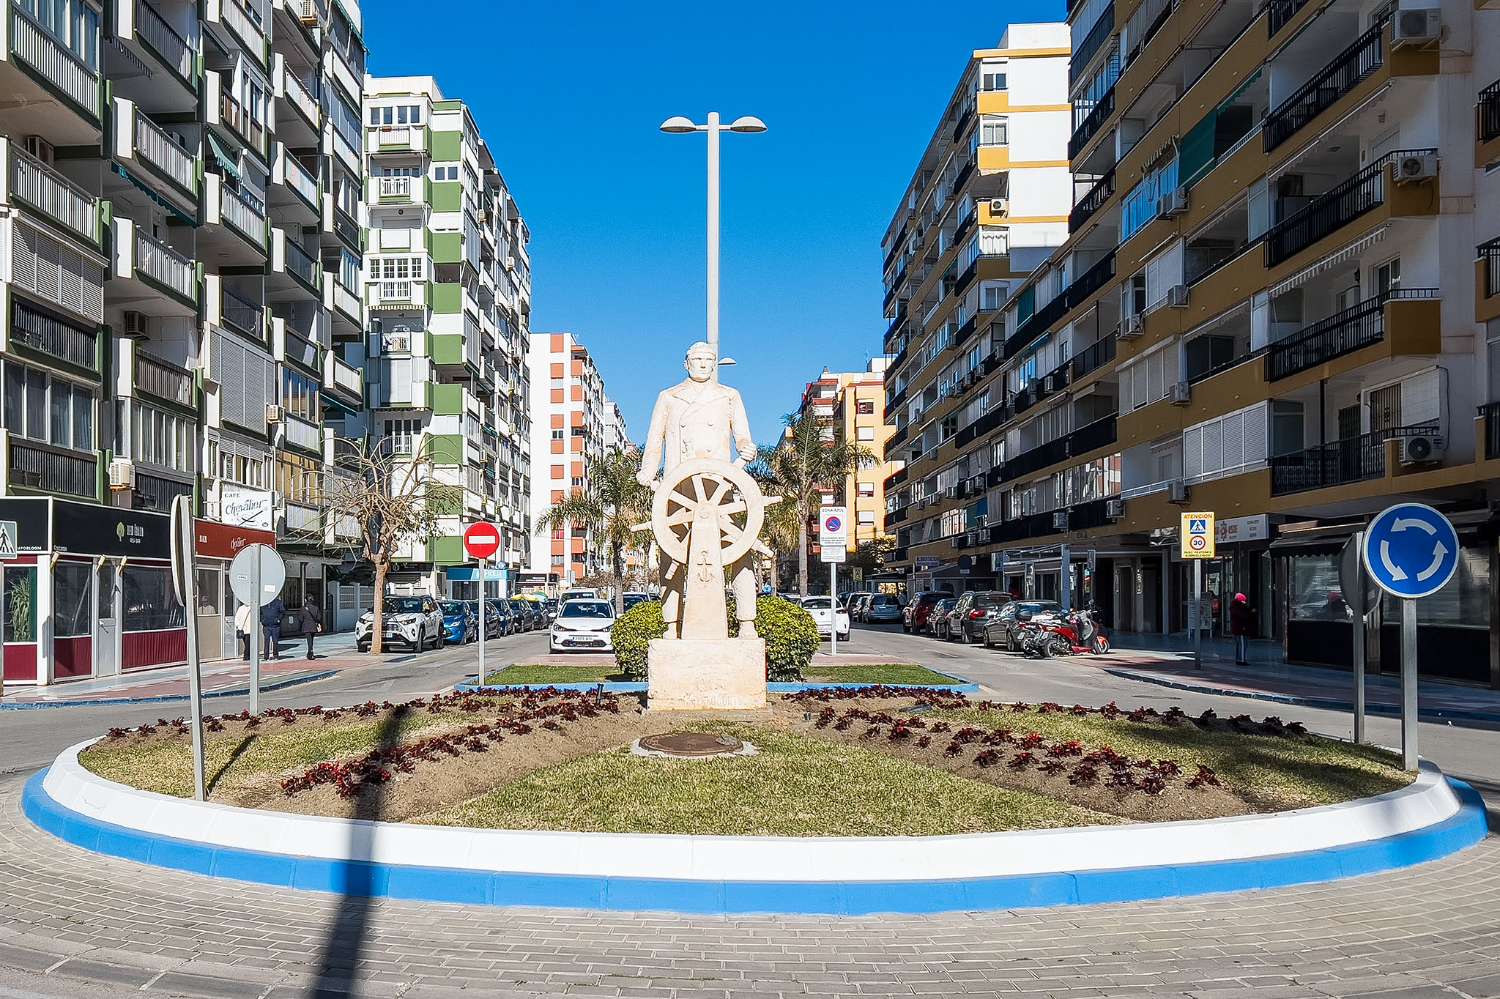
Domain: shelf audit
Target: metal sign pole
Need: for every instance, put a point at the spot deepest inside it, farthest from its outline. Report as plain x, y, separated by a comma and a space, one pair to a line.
1197, 615
1357, 601
186, 542
833, 608
255, 633
1409, 684
482, 607
1065, 579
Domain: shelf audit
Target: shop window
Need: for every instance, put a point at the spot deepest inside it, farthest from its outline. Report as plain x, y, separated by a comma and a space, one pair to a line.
72, 600
209, 592
19, 624
150, 603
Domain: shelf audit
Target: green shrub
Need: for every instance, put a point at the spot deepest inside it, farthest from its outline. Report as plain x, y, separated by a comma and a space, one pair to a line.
790, 634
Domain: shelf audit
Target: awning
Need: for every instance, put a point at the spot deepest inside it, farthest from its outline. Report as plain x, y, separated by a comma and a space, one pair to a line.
1335, 258
156, 198
229, 164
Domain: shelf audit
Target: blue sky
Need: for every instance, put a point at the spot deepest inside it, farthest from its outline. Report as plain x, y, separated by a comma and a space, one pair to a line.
570, 94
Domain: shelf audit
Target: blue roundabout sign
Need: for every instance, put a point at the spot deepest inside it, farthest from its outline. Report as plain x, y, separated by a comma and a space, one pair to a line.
1411, 550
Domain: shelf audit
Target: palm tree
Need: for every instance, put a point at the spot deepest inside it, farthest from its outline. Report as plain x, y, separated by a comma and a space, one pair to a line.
804, 464
607, 507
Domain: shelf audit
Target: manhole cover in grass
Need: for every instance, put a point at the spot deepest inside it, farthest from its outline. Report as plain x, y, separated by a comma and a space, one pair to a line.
691, 744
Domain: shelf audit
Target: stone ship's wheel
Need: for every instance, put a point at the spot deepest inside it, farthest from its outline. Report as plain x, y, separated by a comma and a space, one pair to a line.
708, 482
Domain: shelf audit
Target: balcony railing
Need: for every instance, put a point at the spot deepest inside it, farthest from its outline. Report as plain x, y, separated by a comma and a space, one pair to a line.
300, 263
300, 97
1091, 123
44, 332
1086, 438
395, 291
34, 46
163, 152
308, 436
1282, 11
1354, 459
241, 24
33, 465
1095, 356
1332, 82
1490, 254
164, 265
163, 379
348, 378
1329, 212
164, 40
1100, 33
301, 350
395, 188
1491, 413
54, 195
1342, 333
243, 314
1091, 202
1487, 113
300, 179
245, 212
1091, 280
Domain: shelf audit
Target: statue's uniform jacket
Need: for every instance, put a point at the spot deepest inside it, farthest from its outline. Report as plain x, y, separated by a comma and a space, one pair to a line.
693, 420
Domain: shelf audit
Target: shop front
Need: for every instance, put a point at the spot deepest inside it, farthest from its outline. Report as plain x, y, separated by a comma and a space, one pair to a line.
87, 592
462, 582
217, 545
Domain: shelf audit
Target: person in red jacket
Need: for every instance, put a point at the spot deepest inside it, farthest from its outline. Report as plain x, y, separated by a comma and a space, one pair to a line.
1240, 623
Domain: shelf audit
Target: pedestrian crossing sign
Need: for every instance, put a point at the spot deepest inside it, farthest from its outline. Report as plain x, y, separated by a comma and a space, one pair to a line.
7, 539
1197, 535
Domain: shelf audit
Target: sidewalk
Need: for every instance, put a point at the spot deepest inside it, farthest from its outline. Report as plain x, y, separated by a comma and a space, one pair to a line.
1270, 678
221, 678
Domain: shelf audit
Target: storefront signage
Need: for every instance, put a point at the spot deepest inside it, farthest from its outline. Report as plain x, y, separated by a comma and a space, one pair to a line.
43, 525
226, 540
1236, 530
1197, 534
927, 563
8, 539
246, 506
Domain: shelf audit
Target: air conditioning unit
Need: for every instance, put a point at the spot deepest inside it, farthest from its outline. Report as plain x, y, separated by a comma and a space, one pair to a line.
1060, 520
1422, 450
1171, 204
1411, 169
1416, 27
1177, 296
1132, 328
1114, 508
999, 206
1177, 492
40, 148
274, 413
1180, 393
134, 324
121, 474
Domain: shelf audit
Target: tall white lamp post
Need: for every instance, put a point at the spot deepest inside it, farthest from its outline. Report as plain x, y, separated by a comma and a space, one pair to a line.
745, 124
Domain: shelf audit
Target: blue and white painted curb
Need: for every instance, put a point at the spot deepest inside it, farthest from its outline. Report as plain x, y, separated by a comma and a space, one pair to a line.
960, 685
97, 702
1430, 819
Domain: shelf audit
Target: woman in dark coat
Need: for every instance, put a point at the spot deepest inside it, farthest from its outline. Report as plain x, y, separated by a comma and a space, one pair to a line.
1240, 625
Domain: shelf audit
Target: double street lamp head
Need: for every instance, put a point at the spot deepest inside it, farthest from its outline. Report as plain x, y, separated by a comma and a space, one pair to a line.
677, 124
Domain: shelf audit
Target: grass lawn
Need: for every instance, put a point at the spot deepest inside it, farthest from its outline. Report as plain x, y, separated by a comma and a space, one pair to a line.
892, 674
539, 673
1268, 772
795, 786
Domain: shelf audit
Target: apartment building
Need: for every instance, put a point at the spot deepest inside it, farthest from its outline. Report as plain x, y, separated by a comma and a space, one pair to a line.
853, 405
447, 281
987, 203
572, 421
616, 434
171, 182
1268, 307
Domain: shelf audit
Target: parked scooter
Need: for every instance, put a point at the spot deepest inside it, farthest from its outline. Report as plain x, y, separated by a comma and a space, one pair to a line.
1075, 633
1033, 638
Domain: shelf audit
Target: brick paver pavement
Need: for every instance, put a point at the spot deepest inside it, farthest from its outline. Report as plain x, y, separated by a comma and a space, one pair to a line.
1426, 933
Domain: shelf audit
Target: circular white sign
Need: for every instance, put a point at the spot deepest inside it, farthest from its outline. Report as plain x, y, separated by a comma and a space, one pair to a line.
242, 574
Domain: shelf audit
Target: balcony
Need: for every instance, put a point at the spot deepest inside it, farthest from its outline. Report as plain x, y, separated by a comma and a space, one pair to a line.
299, 350
245, 213
35, 185
234, 116
59, 69
302, 434
1337, 463
1095, 356
398, 293
246, 29
165, 267
1074, 295
1490, 413
1487, 281
1091, 202
345, 381
1091, 124
1345, 72
348, 311
396, 139
300, 99
301, 265
1346, 201
1487, 119
1282, 12
166, 43
294, 192
163, 380
1095, 435
162, 153
33, 465
1101, 32
1354, 328
243, 315
303, 519
55, 338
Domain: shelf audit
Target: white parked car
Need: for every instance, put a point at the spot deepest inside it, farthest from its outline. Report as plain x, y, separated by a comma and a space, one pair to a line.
582, 625
579, 594
824, 613
415, 622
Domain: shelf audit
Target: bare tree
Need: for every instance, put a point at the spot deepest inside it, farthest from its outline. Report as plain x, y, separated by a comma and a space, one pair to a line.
393, 502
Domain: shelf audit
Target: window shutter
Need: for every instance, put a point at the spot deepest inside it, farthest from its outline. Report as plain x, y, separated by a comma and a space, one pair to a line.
1213, 447
1419, 398
1257, 422
1192, 452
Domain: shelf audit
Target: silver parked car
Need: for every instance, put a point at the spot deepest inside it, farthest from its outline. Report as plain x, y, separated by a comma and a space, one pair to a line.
882, 608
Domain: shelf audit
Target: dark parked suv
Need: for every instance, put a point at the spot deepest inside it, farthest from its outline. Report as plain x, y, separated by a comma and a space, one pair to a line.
974, 609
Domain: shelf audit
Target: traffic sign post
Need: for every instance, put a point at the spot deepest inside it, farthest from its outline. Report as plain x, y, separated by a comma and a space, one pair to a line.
1197, 539
481, 540
1411, 551
185, 583
256, 576
1362, 595
833, 544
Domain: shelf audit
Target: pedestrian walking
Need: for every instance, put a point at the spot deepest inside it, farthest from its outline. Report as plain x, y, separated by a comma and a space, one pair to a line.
244, 620
311, 619
1240, 623
270, 622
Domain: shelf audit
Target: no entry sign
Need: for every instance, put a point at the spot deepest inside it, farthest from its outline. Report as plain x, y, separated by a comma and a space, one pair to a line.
482, 540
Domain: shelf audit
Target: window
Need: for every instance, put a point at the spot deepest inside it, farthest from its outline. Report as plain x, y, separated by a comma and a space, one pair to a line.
161, 438
75, 25
298, 479
866, 518
19, 605
867, 489
150, 603
402, 434
43, 408
558, 435
72, 600
397, 269
441, 172
1227, 445
865, 407
992, 131
299, 395
866, 433
992, 81
1139, 207
1388, 276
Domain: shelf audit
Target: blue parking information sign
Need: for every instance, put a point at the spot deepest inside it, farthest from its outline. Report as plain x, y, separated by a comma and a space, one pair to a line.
1411, 550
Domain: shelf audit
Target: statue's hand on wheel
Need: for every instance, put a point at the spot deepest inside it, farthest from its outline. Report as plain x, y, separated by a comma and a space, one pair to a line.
646, 479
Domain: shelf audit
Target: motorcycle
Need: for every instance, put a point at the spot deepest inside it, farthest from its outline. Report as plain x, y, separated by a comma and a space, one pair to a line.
1033, 639
1075, 633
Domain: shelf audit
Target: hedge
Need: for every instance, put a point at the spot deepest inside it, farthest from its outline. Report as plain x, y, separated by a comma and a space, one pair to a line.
789, 631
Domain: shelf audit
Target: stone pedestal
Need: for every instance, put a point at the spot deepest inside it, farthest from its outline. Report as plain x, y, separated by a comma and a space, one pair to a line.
688, 674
